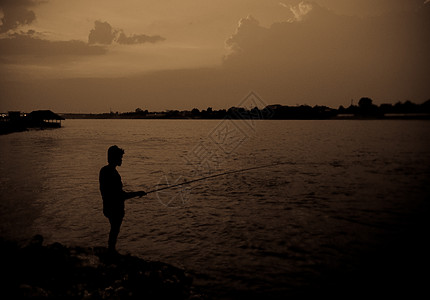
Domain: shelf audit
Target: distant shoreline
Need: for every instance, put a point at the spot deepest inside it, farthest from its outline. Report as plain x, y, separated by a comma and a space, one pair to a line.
365, 110
15, 121
72, 116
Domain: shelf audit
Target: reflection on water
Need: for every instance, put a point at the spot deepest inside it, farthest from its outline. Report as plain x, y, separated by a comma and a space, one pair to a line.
347, 189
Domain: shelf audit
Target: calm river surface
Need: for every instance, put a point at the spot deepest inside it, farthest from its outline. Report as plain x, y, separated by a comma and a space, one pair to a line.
336, 196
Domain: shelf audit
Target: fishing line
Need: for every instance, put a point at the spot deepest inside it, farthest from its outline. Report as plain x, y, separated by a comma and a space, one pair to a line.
217, 175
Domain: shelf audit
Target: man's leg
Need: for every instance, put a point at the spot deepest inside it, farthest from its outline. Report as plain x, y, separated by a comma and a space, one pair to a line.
115, 225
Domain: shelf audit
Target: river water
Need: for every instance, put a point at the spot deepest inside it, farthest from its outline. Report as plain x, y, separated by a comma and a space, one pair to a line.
330, 197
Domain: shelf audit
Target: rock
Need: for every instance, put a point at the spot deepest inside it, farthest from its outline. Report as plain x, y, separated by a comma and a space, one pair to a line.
56, 271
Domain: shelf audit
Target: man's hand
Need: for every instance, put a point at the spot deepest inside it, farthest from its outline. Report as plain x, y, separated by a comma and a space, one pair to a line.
141, 193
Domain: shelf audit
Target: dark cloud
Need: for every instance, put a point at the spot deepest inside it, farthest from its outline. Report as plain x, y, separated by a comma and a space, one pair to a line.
33, 46
104, 34
319, 54
138, 39
29, 44
311, 31
101, 34
316, 32
16, 13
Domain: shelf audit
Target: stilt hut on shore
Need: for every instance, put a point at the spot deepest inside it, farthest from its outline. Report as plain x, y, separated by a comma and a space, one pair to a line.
44, 118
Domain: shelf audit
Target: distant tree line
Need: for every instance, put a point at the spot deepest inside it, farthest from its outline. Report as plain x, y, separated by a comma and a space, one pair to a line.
364, 109
367, 108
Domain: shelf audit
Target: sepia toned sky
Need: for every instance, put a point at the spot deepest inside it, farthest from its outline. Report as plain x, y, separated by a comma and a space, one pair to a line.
101, 55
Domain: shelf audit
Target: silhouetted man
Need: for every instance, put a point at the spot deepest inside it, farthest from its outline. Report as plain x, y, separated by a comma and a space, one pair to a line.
113, 195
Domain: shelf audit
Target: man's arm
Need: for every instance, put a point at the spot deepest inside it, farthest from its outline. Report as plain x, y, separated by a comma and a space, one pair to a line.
128, 195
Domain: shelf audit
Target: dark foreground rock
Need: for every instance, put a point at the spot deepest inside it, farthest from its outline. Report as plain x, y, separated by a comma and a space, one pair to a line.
55, 271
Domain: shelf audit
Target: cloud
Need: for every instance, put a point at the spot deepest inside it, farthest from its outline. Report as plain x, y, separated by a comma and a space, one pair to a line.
101, 34
328, 55
16, 44
137, 39
248, 33
104, 34
16, 13
324, 36
282, 37
301, 10
31, 45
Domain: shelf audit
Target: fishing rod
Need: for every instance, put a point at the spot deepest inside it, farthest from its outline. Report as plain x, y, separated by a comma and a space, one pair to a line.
216, 175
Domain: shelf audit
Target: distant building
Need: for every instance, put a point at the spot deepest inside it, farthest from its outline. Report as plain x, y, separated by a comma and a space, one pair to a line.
15, 116
44, 118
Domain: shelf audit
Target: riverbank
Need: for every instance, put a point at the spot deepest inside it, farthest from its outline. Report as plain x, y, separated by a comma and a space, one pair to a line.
56, 271
163, 116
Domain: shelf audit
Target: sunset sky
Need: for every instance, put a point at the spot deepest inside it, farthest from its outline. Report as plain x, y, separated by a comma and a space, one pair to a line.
101, 55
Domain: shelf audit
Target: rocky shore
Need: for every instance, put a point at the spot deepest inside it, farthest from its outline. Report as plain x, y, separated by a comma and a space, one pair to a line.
55, 271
